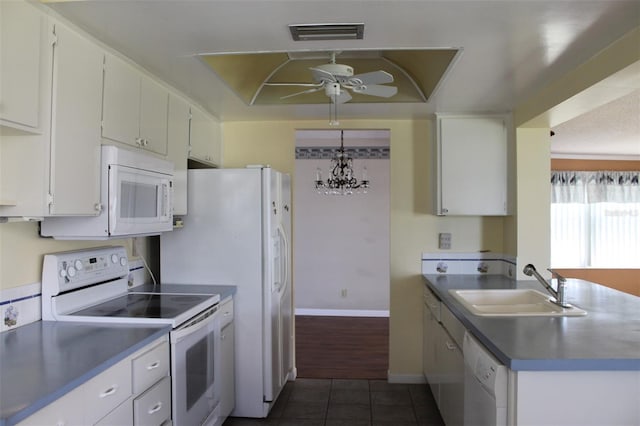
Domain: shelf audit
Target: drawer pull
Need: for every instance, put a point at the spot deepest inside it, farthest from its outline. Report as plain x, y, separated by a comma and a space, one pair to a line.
113, 389
153, 365
155, 408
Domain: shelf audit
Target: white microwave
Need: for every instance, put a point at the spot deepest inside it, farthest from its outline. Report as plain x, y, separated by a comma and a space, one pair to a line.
136, 200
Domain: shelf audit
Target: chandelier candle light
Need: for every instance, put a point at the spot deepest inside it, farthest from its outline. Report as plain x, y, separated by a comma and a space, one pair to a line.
342, 180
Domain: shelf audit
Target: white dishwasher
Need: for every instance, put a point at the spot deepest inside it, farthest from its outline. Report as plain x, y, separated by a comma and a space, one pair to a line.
485, 386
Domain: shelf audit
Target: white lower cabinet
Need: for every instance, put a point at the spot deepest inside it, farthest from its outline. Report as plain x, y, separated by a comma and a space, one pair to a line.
122, 415
153, 407
227, 363
110, 397
443, 361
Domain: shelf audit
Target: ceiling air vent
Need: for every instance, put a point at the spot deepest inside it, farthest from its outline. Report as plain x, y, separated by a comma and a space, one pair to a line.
306, 32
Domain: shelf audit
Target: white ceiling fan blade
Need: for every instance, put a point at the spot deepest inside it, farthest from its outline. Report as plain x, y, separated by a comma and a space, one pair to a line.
322, 75
374, 77
315, 89
295, 84
376, 90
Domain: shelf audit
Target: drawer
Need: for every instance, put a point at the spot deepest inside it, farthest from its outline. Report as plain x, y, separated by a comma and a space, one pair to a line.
226, 312
63, 411
150, 367
121, 416
153, 407
106, 391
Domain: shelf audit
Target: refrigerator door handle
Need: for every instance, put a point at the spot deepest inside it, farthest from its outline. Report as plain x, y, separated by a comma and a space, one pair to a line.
285, 255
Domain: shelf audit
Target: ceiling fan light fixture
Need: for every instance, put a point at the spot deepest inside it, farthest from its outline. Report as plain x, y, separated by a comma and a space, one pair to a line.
336, 31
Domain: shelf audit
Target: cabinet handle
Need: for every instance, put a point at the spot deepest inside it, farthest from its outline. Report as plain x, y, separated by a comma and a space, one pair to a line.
450, 346
155, 408
153, 365
113, 389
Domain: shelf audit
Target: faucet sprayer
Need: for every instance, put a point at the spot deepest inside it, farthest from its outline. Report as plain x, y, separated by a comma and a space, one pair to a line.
530, 270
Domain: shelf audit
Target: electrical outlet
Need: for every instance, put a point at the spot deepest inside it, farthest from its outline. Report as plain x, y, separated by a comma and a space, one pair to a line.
444, 240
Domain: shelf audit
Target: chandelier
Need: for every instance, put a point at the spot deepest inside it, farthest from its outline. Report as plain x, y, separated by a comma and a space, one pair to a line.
341, 180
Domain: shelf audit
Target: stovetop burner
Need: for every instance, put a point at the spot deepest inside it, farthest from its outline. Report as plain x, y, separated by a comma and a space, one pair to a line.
141, 305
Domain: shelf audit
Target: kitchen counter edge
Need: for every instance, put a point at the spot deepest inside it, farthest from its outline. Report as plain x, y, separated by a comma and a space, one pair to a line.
486, 329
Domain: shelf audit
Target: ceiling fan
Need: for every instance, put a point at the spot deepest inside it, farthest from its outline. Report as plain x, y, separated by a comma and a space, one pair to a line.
338, 79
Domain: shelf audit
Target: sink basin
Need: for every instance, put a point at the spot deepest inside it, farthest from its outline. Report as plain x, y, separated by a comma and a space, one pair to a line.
512, 303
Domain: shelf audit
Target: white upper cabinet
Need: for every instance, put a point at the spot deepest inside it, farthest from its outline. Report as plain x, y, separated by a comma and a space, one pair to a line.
178, 150
56, 172
134, 107
471, 165
75, 135
205, 143
22, 65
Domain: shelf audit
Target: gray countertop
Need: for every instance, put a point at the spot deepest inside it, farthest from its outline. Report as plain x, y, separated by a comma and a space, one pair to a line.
607, 338
42, 361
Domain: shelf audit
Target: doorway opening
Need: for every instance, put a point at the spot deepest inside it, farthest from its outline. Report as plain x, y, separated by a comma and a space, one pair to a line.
341, 251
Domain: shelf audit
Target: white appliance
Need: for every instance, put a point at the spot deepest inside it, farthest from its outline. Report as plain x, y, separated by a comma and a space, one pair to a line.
135, 193
237, 232
485, 386
91, 286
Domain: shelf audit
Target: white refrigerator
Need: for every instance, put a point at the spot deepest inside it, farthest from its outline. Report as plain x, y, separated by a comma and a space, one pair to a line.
237, 232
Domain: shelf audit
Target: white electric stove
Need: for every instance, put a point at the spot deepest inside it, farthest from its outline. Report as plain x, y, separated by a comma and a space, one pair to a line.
92, 286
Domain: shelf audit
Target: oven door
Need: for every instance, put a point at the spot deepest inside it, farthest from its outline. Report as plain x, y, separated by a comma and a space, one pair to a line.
139, 201
194, 368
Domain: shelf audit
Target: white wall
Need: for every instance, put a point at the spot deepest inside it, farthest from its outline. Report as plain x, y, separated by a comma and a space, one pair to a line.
341, 242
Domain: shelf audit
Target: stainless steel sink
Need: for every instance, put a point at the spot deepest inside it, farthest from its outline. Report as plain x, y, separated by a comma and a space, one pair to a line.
512, 303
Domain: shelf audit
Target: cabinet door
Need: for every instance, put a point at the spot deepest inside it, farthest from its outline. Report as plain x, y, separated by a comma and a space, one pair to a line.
121, 102
205, 138
67, 410
451, 364
178, 150
22, 36
227, 365
75, 136
153, 116
472, 169
121, 416
429, 349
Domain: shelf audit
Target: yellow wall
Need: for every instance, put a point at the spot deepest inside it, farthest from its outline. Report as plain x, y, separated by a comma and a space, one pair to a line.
413, 228
22, 251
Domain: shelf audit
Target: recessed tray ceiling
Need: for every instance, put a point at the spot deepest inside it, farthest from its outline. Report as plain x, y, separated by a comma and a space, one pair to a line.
416, 73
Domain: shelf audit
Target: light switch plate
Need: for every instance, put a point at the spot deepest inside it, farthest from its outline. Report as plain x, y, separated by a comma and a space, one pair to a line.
444, 241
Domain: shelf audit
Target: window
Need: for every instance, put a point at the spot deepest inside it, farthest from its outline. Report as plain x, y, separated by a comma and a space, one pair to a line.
595, 219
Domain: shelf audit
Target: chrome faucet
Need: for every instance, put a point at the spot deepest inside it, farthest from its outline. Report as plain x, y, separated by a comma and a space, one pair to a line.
530, 270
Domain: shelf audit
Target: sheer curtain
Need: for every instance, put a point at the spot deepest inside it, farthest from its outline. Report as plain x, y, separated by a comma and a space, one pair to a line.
595, 219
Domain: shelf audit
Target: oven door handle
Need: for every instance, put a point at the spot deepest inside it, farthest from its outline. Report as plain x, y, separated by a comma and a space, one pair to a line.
192, 326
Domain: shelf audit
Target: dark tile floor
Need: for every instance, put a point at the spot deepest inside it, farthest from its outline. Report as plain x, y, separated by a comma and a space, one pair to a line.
339, 402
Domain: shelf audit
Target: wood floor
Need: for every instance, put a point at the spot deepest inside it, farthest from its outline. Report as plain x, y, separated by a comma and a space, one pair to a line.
342, 347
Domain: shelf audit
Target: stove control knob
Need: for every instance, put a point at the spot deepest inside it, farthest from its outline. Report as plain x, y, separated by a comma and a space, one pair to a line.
114, 258
71, 271
78, 264
63, 273
123, 261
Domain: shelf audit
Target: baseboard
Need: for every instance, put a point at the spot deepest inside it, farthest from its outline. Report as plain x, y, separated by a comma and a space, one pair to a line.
342, 312
405, 378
